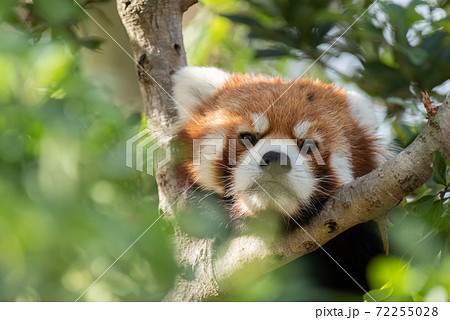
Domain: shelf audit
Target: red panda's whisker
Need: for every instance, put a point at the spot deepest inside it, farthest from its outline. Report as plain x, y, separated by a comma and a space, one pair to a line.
326, 193
206, 196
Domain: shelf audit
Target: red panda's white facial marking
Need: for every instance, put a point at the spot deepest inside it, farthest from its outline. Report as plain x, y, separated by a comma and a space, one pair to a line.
311, 141
271, 174
260, 122
301, 129
342, 166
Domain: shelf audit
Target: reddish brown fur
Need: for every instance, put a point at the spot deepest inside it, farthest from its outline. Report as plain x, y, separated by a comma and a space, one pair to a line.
325, 107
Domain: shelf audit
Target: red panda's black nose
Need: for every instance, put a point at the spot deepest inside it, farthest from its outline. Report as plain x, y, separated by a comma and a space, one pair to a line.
276, 161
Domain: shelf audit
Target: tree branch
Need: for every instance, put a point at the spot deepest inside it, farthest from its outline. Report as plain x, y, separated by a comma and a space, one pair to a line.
362, 200
154, 28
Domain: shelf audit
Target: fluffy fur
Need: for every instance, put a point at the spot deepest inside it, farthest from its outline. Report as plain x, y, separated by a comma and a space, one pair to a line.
325, 136
193, 85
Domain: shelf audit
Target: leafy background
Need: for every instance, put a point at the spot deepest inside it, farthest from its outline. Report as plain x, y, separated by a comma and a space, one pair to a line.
69, 100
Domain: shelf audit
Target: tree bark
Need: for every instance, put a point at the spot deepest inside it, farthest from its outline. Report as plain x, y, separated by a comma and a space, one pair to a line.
154, 28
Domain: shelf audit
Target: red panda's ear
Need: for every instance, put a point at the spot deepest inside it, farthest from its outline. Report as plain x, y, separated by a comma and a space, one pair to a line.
362, 110
193, 85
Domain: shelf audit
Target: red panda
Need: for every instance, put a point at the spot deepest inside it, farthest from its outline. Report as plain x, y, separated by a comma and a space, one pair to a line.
266, 144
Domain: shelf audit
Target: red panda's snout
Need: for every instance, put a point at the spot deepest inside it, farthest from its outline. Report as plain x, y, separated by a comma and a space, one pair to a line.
272, 175
265, 144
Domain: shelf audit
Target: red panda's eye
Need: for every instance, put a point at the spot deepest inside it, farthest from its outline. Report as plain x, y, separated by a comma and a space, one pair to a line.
308, 146
247, 138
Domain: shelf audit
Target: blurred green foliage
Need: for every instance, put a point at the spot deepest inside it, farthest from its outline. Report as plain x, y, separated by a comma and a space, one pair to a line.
398, 48
69, 206
419, 268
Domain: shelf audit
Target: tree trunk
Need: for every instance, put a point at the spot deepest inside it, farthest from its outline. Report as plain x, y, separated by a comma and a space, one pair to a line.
154, 29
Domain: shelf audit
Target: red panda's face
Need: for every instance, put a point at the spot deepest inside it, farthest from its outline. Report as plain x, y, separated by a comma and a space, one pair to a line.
265, 144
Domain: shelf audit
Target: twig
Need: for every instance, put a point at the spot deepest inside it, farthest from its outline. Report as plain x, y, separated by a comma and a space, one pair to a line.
429, 106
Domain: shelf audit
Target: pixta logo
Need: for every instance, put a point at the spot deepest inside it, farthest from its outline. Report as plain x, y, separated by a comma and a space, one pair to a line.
147, 150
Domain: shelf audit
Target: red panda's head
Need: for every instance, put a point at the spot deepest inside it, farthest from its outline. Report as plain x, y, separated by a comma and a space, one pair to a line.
269, 144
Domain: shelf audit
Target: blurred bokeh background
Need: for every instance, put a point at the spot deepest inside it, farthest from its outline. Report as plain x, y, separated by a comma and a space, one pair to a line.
69, 100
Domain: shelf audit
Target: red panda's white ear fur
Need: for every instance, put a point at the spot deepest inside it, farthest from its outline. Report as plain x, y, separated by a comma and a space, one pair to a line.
362, 110
193, 85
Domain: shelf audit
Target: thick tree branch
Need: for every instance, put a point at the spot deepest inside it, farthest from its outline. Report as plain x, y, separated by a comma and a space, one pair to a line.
365, 199
154, 28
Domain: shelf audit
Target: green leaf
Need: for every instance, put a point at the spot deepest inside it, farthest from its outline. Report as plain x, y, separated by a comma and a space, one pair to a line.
420, 206
444, 221
244, 19
271, 53
422, 200
92, 43
417, 297
439, 168
403, 103
417, 56
378, 294
432, 42
435, 213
